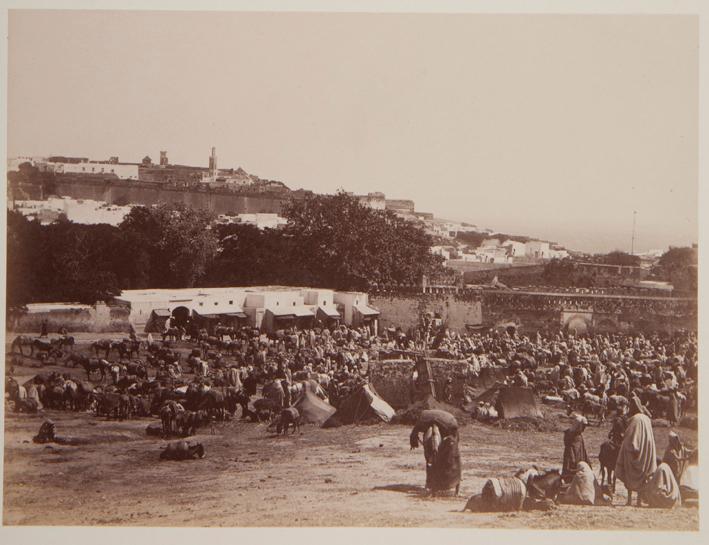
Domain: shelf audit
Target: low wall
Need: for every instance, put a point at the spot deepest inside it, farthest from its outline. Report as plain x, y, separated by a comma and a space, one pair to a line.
406, 310
393, 381
99, 318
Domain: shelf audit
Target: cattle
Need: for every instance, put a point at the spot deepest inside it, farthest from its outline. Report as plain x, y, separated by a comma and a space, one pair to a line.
110, 404
168, 416
597, 410
608, 456
182, 450
140, 405
212, 401
187, 422
288, 417
617, 404
265, 409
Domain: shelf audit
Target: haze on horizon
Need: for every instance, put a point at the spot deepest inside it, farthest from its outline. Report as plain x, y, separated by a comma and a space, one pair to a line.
551, 126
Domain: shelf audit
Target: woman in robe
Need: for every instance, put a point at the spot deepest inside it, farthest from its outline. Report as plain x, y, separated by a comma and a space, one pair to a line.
662, 489
574, 448
636, 459
676, 456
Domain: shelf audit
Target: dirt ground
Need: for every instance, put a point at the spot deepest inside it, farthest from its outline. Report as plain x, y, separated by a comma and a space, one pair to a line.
348, 476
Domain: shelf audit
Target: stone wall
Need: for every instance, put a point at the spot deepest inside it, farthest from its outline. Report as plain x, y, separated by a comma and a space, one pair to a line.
406, 310
392, 379
99, 318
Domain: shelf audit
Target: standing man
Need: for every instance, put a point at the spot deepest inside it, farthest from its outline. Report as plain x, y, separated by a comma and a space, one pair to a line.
637, 460
44, 329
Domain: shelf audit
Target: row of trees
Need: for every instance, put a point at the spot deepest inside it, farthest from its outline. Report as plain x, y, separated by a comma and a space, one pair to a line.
329, 241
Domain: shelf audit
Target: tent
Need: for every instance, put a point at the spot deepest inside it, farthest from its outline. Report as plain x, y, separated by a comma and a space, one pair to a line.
312, 409
364, 404
157, 319
489, 376
512, 401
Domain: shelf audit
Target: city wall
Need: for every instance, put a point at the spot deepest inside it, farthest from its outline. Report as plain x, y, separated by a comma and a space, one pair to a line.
145, 193
405, 310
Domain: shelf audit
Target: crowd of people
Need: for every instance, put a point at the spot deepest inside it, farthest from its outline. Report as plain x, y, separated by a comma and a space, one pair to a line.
607, 305
637, 374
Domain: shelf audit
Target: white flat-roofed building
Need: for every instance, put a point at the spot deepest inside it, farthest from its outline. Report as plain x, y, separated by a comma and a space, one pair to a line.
268, 308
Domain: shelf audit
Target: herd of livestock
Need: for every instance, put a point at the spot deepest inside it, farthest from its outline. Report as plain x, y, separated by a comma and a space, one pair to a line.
592, 375
132, 378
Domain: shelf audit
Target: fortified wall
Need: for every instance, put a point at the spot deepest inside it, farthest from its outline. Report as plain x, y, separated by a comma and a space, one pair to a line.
406, 307
146, 193
529, 312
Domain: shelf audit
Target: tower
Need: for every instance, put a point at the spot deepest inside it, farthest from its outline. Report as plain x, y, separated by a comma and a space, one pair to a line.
163, 159
213, 164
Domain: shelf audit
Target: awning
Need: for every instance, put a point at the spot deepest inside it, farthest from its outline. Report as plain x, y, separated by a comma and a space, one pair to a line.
216, 313
366, 310
329, 311
294, 312
162, 312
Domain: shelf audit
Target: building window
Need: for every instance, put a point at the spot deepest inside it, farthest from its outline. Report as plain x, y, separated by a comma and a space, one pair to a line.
215, 303
293, 303
276, 303
231, 302
324, 303
201, 304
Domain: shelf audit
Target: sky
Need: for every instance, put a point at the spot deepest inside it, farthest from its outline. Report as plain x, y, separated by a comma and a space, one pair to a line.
553, 126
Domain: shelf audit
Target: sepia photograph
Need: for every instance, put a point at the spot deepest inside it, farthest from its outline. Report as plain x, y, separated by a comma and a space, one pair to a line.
377, 269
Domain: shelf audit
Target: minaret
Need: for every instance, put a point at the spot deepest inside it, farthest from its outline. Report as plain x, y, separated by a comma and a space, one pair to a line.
213, 164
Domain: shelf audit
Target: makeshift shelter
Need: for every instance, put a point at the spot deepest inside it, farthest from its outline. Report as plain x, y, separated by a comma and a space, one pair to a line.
512, 401
312, 409
156, 322
362, 405
489, 376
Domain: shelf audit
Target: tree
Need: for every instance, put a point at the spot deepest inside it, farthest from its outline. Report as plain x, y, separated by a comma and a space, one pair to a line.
679, 266
171, 245
63, 261
249, 256
25, 259
339, 243
620, 258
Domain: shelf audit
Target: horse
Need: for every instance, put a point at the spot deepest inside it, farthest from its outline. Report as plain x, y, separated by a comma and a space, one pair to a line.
102, 344
19, 342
